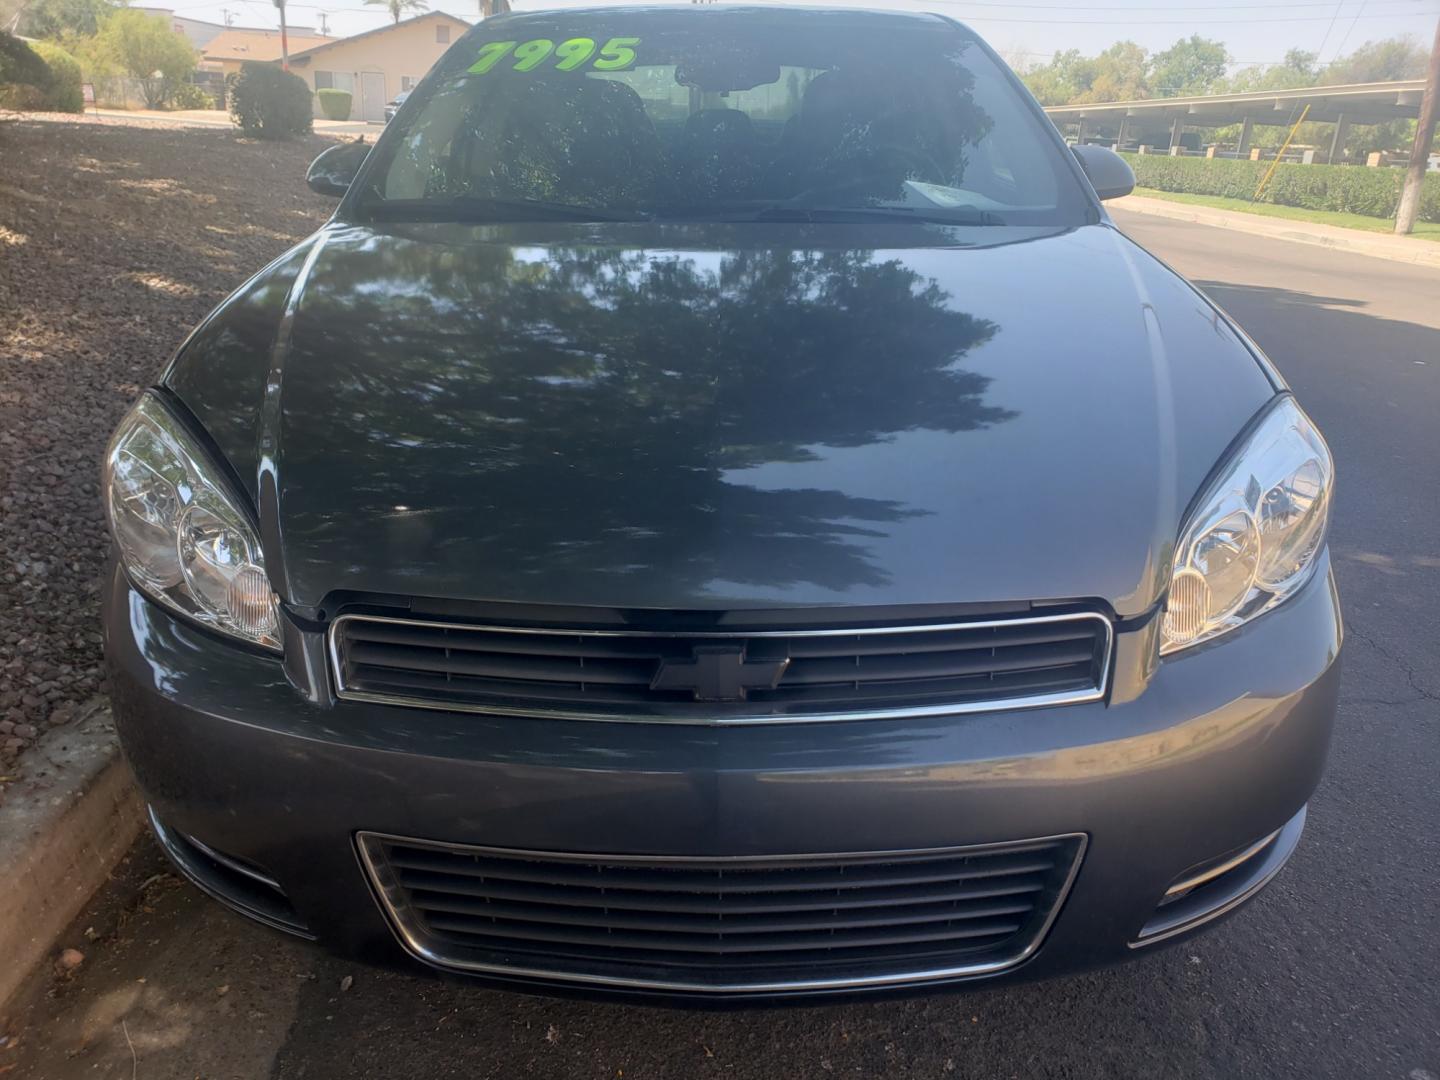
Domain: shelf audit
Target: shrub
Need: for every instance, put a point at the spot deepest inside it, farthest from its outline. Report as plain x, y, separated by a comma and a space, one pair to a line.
1352, 189
187, 95
38, 75
62, 86
335, 104
270, 103
23, 75
22, 97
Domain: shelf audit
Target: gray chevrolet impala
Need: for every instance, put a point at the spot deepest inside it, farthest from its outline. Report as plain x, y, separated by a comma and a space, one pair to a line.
719, 513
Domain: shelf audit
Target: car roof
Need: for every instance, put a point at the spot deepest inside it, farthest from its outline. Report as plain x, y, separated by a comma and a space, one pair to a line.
776, 13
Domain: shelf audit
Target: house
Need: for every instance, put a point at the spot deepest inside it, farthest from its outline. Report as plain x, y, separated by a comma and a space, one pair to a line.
233, 46
378, 64
200, 32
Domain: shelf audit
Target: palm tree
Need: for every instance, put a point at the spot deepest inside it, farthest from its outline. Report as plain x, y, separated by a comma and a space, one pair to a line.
400, 7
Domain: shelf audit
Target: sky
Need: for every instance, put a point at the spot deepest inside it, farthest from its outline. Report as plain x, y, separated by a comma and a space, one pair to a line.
1024, 31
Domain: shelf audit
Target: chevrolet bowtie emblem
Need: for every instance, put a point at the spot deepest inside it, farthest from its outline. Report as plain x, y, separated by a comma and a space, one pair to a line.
718, 673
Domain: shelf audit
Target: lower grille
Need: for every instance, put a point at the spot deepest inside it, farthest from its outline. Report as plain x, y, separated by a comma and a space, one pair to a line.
723, 924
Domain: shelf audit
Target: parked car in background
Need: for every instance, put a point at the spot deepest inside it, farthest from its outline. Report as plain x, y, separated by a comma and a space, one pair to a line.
393, 107
720, 512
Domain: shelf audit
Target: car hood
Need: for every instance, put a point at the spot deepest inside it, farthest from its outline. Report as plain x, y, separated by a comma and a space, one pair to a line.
707, 416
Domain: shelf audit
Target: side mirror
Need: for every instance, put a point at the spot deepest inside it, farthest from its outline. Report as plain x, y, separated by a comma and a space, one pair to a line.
1109, 173
332, 172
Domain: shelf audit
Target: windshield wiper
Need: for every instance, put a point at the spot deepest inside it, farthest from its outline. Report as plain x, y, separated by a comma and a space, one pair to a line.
476, 208
841, 214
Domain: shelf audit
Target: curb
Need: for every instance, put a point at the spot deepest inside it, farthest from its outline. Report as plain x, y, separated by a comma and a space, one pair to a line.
1378, 246
69, 815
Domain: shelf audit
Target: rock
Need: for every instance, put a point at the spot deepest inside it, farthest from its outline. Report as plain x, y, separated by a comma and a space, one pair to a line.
71, 959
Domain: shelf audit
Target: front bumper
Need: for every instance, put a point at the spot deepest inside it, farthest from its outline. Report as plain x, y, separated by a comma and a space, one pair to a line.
1188, 761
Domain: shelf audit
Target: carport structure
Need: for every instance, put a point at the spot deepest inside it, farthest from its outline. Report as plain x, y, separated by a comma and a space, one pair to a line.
1359, 103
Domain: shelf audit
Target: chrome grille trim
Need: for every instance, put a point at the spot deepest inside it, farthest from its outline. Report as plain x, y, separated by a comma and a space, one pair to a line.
369, 849
696, 716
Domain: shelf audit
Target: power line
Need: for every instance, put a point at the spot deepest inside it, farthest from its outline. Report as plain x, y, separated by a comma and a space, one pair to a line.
1352, 27
1339, 4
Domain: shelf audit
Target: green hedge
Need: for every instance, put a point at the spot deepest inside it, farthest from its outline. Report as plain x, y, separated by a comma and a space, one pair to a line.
18, 62
1351, 189
335, 104
62, 87
38, 76
23, 75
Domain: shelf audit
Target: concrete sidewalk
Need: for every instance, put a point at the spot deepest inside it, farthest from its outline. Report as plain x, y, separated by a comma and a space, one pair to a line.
216, 118
1406, 249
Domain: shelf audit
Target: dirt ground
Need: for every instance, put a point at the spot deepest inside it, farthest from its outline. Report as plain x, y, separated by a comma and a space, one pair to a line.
115, 239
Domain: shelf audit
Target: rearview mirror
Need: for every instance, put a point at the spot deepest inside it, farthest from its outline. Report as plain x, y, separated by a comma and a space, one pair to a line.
1109, 173
332, 172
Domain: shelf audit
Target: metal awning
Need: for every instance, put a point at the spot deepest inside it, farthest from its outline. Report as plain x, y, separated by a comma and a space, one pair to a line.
1360, 103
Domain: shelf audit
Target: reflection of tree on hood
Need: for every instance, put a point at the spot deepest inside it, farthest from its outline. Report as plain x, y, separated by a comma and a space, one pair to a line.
600, 409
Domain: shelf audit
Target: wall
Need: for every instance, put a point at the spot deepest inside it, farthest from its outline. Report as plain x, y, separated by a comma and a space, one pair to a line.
408, 50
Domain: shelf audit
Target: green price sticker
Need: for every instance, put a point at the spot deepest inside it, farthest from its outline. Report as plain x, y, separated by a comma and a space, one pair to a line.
617, 54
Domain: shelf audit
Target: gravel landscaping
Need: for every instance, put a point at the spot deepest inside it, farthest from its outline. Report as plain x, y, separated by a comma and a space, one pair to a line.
115, 239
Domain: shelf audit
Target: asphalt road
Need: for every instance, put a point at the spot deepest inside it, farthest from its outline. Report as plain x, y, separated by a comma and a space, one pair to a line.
1331, 973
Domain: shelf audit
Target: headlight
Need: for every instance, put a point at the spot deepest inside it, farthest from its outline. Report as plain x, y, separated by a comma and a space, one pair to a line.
1254, 536
181, 537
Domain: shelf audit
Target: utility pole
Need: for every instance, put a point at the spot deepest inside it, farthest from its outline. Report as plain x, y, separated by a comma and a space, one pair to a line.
229, 16
284, 41
1420, 153
324, 25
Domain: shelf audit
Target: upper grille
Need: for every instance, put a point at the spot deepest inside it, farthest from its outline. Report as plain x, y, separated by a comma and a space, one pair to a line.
731, 676
723, 924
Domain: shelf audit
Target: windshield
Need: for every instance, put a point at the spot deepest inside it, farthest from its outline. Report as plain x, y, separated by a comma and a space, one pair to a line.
723, 114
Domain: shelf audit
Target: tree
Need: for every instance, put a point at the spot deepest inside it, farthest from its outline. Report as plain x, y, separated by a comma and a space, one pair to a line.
147, 49
398, 8
1063, 79
1119, 75
1379, 61
1193, 65
1297, 70
57, 18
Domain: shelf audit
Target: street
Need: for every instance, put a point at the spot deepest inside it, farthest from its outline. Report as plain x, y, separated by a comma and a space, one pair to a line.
1329, 973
